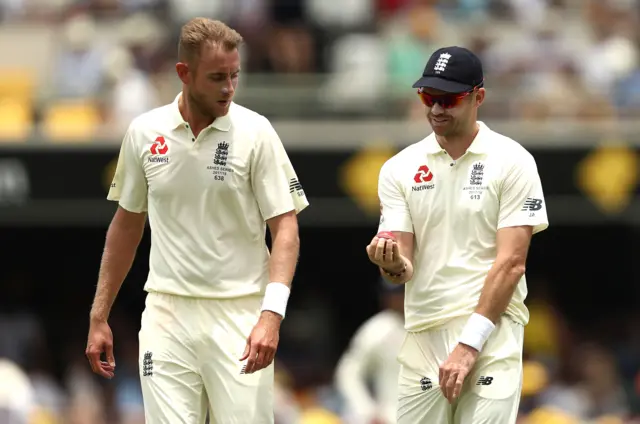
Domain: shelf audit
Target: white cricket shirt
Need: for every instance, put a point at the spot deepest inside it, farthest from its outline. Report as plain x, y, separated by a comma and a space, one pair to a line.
454, 209
207, 198
372, 358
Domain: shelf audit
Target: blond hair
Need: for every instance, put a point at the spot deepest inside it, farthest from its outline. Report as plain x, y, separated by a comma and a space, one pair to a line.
201, 31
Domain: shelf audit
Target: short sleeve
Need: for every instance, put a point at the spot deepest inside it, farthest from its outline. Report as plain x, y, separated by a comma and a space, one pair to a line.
129, 185
521, 197
394, 210
274, 181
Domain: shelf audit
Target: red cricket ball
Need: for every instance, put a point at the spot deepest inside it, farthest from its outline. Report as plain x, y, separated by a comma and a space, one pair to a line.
386, 235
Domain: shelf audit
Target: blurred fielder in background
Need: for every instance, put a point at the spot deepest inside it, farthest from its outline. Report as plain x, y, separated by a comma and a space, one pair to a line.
209, 173
462, 205
367, 373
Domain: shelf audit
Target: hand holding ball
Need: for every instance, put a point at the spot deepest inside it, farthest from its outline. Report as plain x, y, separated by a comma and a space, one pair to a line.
384, 252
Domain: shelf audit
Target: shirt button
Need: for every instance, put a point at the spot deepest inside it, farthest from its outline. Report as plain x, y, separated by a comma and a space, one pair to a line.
193, 139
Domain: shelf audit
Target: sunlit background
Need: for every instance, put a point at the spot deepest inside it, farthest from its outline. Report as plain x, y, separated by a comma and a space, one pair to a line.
334, 77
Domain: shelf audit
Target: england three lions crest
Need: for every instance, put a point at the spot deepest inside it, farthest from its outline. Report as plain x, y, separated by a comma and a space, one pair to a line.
477, 181
220, 167
476, 174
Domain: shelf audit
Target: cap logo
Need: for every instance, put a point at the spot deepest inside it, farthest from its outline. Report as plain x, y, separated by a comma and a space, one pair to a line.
442, 62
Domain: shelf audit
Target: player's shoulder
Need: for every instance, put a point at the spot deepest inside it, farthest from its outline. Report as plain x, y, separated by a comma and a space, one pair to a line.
154, 119
243, 117
405, 157
506, 147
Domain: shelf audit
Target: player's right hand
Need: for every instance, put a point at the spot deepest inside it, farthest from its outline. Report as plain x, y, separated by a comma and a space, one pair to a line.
101, 340
384, 252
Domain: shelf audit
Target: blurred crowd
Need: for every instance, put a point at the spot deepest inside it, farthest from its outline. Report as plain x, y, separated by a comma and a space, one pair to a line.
84, 68
573, 374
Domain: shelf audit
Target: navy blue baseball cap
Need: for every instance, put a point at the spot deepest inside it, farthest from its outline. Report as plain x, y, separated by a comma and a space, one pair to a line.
453, 70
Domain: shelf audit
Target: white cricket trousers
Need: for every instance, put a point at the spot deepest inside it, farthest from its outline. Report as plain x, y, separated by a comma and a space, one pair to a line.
491, 391
190, 350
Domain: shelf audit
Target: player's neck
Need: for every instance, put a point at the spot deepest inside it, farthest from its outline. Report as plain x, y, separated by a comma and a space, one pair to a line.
457, 145
191, 113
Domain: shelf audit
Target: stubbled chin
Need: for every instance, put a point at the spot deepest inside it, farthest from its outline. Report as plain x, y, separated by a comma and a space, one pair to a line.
438, 126
220, 110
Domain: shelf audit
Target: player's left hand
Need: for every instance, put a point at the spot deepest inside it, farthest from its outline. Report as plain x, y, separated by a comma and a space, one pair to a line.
455, 369
262, 342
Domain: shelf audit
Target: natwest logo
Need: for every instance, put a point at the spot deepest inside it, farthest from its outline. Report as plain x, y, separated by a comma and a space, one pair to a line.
424, 175
159, 147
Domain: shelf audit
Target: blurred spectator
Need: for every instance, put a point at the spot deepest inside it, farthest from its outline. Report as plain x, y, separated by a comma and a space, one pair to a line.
412, 36
79, 71
553, 59
286, 408
610, 55
131, 91
86, 399
599, 391
367, 374
20, 327
17, 403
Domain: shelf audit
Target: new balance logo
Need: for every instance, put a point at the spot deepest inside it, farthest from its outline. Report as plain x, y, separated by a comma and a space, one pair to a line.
484, 381
294, 185
147, 364
532, 204
426, 384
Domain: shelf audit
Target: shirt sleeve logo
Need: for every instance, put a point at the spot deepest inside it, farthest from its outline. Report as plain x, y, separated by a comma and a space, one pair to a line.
532, 205
295, 186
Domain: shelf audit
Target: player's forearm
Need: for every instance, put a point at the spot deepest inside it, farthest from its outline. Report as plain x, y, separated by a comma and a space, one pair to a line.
284, 256
400, 275
119, 251
499, 286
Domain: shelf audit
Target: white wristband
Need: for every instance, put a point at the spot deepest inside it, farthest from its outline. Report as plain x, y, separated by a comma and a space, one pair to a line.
477, 331
276, 297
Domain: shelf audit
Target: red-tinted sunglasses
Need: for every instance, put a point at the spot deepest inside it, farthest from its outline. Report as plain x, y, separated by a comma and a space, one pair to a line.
446, 101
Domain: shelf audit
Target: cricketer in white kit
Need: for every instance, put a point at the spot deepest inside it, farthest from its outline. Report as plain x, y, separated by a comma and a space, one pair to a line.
462, 205
211, 176
367, 372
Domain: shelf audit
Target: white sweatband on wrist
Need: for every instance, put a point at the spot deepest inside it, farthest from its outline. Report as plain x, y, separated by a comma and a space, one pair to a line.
276, 297
477, 331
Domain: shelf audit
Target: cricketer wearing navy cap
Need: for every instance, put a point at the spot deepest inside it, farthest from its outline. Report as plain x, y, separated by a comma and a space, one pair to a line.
462, 204
452, 89
452, 70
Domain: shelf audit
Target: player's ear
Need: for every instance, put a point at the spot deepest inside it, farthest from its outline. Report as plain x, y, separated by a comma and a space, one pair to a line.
479, 96
182, 69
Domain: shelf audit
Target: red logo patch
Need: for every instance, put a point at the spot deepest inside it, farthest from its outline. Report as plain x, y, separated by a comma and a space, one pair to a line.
424, 175
159, 147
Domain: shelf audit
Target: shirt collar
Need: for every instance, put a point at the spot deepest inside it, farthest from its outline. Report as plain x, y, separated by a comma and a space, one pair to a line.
478, 145
222, 123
